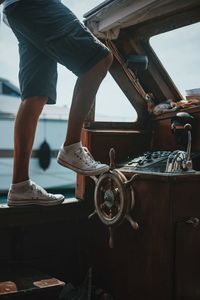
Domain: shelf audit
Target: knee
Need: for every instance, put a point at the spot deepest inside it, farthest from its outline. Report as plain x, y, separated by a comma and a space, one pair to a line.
102, 67
100, 70
35, 101
109, 59
107, 62
34, 104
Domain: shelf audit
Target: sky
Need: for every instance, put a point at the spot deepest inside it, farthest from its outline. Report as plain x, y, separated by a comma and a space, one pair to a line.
178, 50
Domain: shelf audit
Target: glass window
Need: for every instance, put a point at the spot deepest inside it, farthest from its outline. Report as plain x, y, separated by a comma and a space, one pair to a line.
179, 52
111, 103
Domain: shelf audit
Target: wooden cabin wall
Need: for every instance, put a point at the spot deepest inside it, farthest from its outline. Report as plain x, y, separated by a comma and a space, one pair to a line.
150, 263
127, 143
160, 260
129, 269
52, 241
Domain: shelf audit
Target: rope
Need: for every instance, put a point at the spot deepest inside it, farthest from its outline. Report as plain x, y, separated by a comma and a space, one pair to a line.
130, 74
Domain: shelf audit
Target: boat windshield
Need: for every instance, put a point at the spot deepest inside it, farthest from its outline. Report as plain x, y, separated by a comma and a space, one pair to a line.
112, 104
179, 52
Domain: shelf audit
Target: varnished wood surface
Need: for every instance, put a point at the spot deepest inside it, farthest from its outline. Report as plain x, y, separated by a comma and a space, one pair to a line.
126, 142
187, 264
142, 264
39, 215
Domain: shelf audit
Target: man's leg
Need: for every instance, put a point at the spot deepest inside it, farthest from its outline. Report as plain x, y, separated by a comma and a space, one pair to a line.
23, 191
25, 127
77, 50
72, 155
84, 94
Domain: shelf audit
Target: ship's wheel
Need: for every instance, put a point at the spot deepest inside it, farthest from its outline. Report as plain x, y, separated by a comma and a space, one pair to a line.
114, 198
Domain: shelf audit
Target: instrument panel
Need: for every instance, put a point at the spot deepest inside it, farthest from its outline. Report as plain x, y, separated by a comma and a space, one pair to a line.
155, 161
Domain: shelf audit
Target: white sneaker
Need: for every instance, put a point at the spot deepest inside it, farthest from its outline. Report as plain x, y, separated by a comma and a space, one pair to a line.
78, 158
29, 193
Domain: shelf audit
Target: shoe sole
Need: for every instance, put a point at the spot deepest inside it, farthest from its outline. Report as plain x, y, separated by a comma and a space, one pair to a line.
37, 202
80, 171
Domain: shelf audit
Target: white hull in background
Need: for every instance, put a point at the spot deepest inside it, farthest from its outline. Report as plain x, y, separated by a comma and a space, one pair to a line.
51, 129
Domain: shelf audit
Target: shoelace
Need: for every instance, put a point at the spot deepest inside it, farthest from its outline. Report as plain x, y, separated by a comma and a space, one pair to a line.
86, 156
38, 189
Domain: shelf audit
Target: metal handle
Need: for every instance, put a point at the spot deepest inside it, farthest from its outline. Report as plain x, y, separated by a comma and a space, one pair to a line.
112, 158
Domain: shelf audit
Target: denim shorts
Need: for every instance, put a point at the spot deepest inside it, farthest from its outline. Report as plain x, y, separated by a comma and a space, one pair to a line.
49, 33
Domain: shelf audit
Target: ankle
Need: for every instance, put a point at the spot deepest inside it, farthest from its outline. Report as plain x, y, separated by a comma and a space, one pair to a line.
72, 140
21, 185
20, 179
72, 145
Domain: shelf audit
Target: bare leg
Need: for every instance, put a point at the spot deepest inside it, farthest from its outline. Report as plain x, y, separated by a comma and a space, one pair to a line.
84, 94
25, 127
30, 109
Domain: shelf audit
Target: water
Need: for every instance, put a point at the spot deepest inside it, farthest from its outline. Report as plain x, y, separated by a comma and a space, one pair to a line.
3, 199
67, 193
